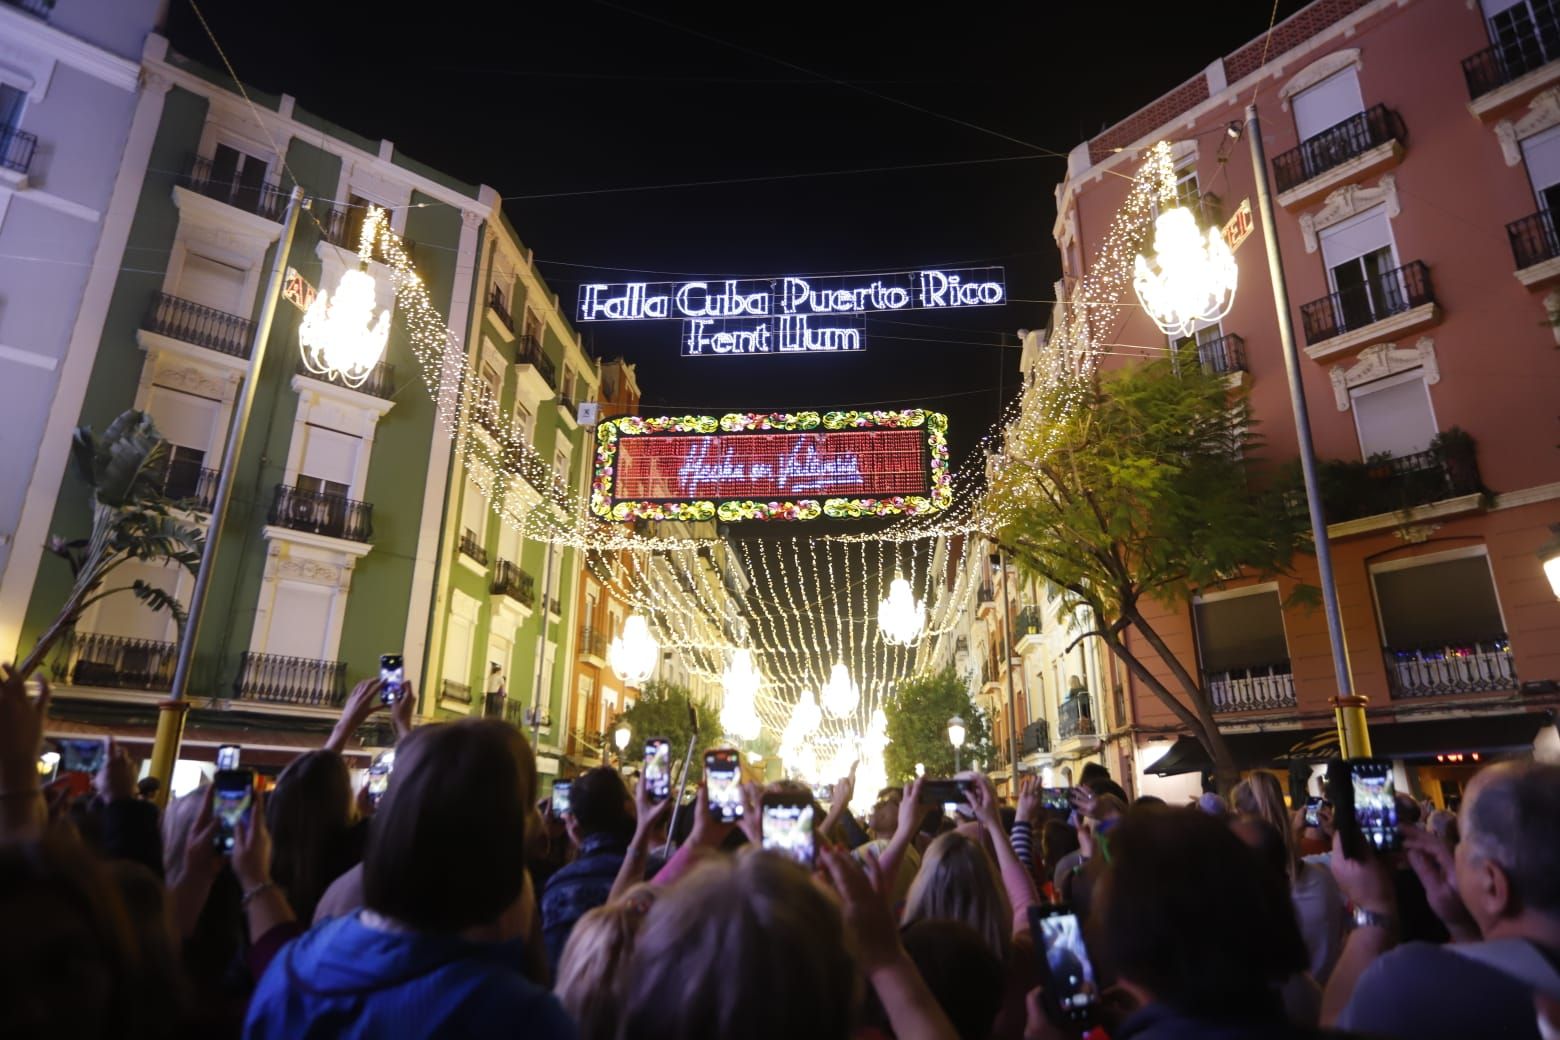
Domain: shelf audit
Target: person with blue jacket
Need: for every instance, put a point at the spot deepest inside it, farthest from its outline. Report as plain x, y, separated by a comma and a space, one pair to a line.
438, 948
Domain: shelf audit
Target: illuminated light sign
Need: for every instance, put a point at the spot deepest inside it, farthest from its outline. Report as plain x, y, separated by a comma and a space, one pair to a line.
774, 297
787, 334
772, 466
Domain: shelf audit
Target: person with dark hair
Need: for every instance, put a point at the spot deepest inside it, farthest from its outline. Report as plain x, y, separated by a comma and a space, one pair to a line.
435, 949
600, 825
1499, 896
313, 838
959, 968
1194, 925
1091, 772
147, 787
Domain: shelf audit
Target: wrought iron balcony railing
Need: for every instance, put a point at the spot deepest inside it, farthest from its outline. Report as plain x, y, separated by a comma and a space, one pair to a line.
264, 199
192, 487
1075, 717
1390, 485
1375, 299
1337, 145
1451, 667
1035, 737
344, 227
1533, 44
1533, 239
471, 547
120, 662
191, 322
509, 580
1027, 623
380, 382
593, 642
500, 307
451, 690
291, 680
1223, 355
1257, 688
531, 353
335, 516
16, 148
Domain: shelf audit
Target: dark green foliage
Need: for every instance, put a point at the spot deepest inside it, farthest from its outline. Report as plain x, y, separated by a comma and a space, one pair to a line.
918, 714
662, 711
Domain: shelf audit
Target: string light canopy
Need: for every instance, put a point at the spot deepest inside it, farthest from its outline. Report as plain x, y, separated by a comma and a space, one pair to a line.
634, 653
901, 617
340, 338
1191, 280
841, 695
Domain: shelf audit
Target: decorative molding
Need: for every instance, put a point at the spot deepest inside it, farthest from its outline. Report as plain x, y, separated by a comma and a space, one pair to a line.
1345, 202
471, 219
191, 379
1423, 316
1380, 361
1415, 534
312, 571
24, 34
1543, 112
1317, 71
1552, 312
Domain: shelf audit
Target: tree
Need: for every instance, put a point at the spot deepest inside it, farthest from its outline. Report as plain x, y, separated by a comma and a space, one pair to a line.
132, 519
918, 714
662, 710
1143, 484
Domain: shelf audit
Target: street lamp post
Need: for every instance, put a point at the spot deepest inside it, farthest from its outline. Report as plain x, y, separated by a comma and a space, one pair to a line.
1348, 707
956, 738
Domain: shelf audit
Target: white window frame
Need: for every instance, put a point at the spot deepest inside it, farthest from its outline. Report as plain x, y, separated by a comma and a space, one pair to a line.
1396, 379
1427, 560
1216, 595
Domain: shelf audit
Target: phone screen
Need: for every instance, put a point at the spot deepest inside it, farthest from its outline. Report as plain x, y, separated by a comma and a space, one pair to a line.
82, 756
947, 793
560, 797
1056, 799
658, 768
227, 756
788, 830
392, 676
1070, 985
232, 797
1313, 808
1375, 804
723, 782
379, 775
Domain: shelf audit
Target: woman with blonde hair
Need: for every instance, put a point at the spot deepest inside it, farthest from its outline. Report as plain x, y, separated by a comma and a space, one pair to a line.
594, 959
1317, 901
959, 882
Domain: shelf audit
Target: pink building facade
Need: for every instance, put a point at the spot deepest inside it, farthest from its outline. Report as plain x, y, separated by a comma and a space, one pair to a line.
1413, 147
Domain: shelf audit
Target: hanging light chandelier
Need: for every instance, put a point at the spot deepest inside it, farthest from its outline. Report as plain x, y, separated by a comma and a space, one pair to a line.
633, 654
339, 337
1192, 278
841, 695
804, 722
901, 616
740, 683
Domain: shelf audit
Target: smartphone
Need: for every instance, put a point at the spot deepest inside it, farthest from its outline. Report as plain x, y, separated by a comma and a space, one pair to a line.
947, 793
233, 797
82, 756
227, 756
824, 792
658, 768
560, 797
379, 775
1313, 809
1070, 987
1056, 799
1364, 797
723, 782
392, 677
788, 827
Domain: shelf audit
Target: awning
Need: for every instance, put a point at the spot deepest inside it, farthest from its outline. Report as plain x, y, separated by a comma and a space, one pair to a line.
1513, 731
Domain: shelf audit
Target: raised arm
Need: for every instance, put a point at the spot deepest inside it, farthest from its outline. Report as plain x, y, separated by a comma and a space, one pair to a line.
362, 702
1015, 876
911, 813
649, 815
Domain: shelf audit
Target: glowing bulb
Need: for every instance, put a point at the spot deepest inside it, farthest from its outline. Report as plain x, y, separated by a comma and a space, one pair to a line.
901, 616
633, 654
1192, 279
841, 696
339, 336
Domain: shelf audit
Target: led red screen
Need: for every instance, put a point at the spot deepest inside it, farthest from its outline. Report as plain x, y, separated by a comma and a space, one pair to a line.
770, 466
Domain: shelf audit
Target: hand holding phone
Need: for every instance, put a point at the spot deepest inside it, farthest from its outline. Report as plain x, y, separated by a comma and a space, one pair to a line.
943, 792
561, 805
1313, 808
723, 783
1364, 798
1071, 990
788, 827
658, 768
232, 798
392, 677
82, 755
1056, 799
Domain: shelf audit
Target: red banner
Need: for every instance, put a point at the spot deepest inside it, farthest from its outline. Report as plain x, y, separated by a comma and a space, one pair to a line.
770, 466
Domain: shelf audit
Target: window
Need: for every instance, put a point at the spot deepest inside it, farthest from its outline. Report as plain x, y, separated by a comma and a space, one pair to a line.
555, 580
1206, 340
183, 477
242, 175
1541, 155
1526, 33
1361, 268
532, 330
352, 226
561, 465
1393, 415
186, 422
213, 284
300, 618
525, 419
1444, 602
1328, 103
568, 384
12, 101
329, 457
473, 509
493, 379
457, 650
1240, 632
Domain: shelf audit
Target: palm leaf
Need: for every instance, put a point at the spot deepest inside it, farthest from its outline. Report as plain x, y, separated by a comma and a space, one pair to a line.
160, 599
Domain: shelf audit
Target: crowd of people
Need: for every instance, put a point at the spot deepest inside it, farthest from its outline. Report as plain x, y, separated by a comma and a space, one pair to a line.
460, 904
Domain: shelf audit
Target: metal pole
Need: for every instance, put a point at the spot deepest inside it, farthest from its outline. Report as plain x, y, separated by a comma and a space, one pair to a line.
1007, 650
171, 712
1349, 708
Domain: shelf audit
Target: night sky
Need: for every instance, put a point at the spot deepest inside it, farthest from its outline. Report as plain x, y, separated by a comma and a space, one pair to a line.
540, 101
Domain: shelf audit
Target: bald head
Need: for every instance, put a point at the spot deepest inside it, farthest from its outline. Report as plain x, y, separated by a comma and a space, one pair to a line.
1512, 818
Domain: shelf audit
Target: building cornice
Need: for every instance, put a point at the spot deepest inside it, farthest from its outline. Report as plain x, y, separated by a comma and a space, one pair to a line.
18, 30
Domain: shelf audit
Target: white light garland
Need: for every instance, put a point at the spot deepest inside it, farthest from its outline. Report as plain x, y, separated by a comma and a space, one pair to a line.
339, 336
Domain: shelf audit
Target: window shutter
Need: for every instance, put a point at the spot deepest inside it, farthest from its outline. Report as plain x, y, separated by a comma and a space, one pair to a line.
1393, 416
1327, 104
1353, 238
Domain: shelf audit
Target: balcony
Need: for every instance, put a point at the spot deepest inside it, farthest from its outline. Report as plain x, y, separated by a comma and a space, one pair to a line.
193, 488
16, 149
39, 8
500, 309
190, 322
322, 513
1449, 470
1387, 305
1075, 718
593, 644
1258, 688
471, 547
1453, 667
537, 377
1354, 148
554, 606
450, 690
509, 580
1531, 47
1223, 355
1035, 738
380, 382
343, 226
1027, 625
291, 680
264, 199
1535, 247
119, 662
